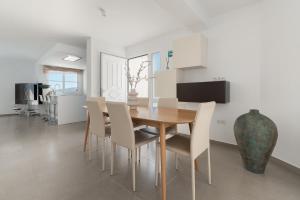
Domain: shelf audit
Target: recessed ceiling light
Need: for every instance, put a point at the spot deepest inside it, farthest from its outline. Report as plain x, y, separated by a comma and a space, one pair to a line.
71, 58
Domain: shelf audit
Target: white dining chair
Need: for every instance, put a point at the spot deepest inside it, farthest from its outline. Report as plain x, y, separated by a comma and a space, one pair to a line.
167, 103
192, 145
97, 125
164, 103
100, 99
123, 134
102, 105
143, 101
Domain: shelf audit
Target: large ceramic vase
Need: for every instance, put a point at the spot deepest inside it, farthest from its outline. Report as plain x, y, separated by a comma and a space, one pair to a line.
132, 99
256, 136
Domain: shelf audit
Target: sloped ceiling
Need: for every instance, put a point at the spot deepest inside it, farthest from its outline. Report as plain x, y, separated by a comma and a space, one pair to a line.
29, 28
217, 7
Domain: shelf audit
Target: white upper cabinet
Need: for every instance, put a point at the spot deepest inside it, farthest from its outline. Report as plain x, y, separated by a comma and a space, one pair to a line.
190, 51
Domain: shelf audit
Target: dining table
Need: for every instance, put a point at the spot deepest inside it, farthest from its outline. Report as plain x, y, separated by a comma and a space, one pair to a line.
161, 118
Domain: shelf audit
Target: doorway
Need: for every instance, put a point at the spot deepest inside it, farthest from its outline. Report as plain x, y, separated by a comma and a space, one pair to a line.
113, 83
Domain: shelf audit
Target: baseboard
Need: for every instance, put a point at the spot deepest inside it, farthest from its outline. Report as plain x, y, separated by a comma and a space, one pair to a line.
8, 115
273, 159
224, 144
286, 165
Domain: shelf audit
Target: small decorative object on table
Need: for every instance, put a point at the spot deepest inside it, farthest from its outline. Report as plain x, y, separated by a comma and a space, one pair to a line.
132, 99
256, 136
133, 81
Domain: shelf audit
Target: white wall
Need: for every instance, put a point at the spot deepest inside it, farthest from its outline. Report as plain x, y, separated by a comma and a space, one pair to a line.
162, 44
280, 94
256, 48
13, 71
234, 52
92, 76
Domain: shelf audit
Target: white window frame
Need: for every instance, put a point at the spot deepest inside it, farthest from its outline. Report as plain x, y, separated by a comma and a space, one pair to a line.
151, 91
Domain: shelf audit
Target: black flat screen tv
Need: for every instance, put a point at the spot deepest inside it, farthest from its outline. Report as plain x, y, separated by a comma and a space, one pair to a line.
218, 91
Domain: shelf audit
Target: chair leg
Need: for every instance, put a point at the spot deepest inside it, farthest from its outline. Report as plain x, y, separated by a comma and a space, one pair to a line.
112, 157
135, 154
103, 154
97, 147
193, 179
176, 161
133, 168
140, 154
129, 154
209, 165
90, 145
156, 164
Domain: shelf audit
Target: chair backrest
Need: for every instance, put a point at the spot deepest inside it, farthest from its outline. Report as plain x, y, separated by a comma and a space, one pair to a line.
95, 98
201, 128
122, 132
141, 101
100, 99
96, 116
167, 103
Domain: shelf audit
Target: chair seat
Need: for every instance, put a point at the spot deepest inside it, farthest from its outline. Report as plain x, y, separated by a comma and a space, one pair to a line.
138, 126
179, 143
155, 131
142, 138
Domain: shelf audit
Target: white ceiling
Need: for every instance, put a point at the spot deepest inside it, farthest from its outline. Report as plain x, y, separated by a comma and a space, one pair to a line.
217, 7
29, 28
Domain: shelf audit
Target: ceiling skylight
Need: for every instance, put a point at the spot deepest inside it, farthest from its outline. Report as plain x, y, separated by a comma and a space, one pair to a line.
71, 58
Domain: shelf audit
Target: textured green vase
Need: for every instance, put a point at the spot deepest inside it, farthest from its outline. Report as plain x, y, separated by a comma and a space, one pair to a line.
256, 136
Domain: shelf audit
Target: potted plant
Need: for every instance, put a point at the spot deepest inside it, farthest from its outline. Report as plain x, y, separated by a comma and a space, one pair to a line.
133, 81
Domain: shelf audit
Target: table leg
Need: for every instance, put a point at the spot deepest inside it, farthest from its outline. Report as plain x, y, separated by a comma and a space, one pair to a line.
163, 161
196, 161
87, 129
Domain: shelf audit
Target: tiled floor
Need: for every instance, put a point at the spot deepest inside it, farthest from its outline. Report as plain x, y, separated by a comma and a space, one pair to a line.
41, 162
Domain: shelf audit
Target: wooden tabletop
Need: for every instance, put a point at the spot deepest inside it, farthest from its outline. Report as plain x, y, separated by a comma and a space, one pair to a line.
165, 115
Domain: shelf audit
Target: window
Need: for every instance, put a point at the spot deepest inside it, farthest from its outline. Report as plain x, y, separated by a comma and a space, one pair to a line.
133, 67
146, 87
70, 82
156, 62
156, 66
63, 80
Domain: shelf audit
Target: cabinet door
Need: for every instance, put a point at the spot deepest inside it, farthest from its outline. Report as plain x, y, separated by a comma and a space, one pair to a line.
190, 51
